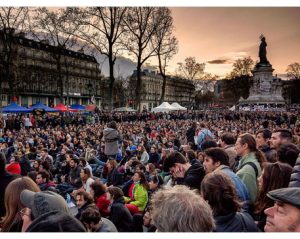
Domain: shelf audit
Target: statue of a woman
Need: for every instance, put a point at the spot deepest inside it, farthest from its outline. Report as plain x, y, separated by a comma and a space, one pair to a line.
263, 51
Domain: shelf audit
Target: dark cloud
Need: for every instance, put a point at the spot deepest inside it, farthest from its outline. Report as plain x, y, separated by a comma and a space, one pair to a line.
219, 61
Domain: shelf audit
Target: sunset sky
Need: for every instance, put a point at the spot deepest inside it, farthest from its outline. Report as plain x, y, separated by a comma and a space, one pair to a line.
223, 34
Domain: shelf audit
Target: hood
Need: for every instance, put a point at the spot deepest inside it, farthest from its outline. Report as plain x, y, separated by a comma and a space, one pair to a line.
119, 200
56, 221
110, 133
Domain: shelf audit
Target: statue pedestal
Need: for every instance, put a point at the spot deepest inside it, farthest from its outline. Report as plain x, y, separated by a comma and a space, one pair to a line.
266, 88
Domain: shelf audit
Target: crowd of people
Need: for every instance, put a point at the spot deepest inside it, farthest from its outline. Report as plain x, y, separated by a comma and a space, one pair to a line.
193, 171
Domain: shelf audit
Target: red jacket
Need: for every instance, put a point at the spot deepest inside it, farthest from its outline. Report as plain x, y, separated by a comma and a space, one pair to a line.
102, 203
14, 168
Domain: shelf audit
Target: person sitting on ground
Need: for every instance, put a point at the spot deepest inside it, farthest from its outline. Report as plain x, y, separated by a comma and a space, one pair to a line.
138, 194
218, 190
227, 141
194, 215
114, 177
14, 166
183, 171
119, 214
92, 220
83, 201
43, 180
98, 192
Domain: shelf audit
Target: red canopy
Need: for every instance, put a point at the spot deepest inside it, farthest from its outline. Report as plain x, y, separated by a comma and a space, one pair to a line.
61, 107
90, 107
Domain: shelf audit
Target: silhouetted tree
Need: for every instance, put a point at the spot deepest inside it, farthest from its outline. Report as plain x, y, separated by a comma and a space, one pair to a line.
167, 45
142, 24
293, 71
13, 20
103, 28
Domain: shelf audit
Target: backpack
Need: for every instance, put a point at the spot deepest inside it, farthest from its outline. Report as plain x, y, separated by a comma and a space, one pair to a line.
253, 166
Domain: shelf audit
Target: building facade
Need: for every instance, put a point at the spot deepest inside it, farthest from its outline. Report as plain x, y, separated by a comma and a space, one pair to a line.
36, 68
177, 90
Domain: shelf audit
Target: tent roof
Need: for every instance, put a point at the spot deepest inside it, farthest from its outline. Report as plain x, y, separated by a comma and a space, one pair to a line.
77, 107
39, 105
15, 108
164, 107
178, 106
61, 107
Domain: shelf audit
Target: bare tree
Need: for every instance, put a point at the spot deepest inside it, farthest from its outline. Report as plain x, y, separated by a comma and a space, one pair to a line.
142, 23
242, 67
166, 45
12, 21
293, 71
55, 28
191, 69
102, 28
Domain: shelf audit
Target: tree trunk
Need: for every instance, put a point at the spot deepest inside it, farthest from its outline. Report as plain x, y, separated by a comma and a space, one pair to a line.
111, 79
138, 87
163, 91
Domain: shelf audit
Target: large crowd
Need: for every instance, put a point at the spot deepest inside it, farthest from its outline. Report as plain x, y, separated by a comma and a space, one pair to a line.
192, 171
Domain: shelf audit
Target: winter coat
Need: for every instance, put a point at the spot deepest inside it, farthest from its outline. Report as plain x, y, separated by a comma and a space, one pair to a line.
235, 222
193, 176
139, 197
111, 138
120, 215
115, 178
102, 203
295, 176
269, 153
248, 175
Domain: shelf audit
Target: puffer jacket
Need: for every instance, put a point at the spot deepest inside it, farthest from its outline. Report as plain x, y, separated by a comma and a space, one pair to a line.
295, 176
139, 197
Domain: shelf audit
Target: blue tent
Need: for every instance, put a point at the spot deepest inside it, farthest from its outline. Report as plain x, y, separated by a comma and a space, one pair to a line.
41, 106
14, 108
77, 107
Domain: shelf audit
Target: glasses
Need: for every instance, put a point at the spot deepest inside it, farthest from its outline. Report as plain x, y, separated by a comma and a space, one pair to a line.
23, 212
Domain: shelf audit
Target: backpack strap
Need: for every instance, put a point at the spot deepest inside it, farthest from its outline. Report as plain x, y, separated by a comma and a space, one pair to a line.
253, 166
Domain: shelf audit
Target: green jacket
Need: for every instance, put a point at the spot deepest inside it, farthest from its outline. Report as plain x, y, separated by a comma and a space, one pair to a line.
140, 198
248, 176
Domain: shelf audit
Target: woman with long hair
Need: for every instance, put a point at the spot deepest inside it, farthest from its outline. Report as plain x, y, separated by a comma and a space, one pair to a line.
98, 193
274, 176
143, 156
218, 190
250, 164
119, 214
138, 194
12, 221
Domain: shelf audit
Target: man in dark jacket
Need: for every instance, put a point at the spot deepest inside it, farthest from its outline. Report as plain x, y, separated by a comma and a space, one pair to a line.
5, 179
262, 138
183, 171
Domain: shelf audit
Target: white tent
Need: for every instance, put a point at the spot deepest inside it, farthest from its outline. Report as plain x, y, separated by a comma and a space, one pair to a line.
164, 107
178, 106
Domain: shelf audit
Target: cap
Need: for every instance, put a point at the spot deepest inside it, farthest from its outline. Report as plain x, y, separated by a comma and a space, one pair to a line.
43, 202
287, 195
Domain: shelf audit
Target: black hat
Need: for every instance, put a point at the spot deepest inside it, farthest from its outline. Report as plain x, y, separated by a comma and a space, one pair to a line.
287, 195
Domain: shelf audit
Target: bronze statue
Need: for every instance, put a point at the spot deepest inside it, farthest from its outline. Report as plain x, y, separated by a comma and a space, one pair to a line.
263, 51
